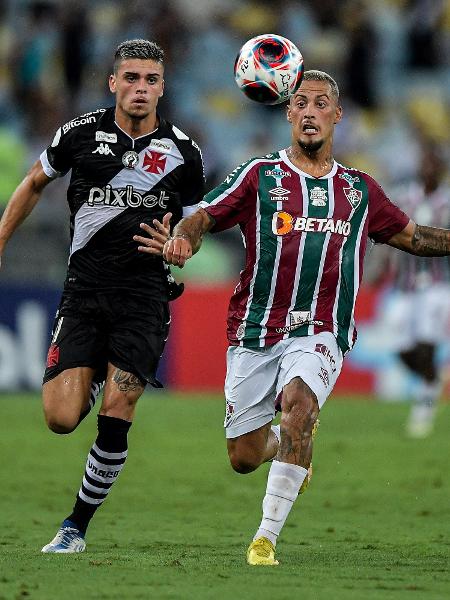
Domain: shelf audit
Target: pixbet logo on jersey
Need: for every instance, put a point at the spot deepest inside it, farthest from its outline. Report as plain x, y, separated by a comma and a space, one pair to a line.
124, 197
283, 223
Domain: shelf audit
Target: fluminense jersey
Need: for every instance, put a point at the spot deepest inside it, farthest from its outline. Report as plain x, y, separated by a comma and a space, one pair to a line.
116, 183
305, 241
418, 272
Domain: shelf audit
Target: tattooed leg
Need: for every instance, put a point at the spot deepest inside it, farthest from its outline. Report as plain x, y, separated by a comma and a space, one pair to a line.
299, 414
126, 382
122, 391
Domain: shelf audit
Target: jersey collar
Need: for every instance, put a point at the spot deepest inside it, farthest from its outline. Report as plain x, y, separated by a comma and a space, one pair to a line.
291, 165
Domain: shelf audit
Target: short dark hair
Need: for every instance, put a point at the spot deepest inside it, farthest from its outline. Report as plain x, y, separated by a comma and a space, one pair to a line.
314, 75
138, 49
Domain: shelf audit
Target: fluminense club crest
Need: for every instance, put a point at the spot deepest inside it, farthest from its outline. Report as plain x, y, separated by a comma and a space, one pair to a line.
353, 195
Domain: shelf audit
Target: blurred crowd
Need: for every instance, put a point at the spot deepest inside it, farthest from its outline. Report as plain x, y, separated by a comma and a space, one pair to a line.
391, 59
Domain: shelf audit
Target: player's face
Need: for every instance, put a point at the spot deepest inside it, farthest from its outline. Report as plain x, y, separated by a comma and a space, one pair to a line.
138, 85
313, 112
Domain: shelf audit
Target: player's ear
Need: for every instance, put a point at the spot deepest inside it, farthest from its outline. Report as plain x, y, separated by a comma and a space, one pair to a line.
338, 116
288, 112
112, 83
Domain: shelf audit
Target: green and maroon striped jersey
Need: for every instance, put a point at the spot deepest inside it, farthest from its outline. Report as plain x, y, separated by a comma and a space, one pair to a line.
305, 240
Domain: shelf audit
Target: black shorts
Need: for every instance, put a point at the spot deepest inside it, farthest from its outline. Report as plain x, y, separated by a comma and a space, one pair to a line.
122, 328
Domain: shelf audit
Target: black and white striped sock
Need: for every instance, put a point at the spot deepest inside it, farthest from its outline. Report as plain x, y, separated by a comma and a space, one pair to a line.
96, 388
104, 463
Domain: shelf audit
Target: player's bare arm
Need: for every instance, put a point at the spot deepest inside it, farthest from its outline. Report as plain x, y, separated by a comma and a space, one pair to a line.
22, 202
187, 238
159, 234
422, 240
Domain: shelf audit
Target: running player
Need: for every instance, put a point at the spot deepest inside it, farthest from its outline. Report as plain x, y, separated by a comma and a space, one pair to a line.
422, 292
306, 221
128, 165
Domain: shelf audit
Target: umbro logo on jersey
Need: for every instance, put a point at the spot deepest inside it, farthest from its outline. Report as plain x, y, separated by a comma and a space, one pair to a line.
279, 193
103, 149
154, 162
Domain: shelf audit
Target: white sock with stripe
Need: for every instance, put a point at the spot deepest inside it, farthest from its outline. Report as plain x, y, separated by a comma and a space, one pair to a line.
283, 484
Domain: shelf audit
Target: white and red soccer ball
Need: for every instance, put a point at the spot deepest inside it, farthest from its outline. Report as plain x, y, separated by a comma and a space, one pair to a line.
269, 69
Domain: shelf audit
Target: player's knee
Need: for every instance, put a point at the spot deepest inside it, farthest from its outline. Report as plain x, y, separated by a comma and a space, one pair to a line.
243, 462
61, 424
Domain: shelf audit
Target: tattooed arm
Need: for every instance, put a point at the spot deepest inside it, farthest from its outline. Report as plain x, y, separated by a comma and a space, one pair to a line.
422, 241
187, 238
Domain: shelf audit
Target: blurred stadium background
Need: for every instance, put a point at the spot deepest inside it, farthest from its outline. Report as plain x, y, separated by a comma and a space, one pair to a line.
390, 57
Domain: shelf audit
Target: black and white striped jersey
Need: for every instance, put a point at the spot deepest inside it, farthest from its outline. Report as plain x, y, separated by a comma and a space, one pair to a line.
116, 183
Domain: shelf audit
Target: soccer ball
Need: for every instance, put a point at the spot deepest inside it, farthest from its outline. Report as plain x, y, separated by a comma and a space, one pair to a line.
269, 69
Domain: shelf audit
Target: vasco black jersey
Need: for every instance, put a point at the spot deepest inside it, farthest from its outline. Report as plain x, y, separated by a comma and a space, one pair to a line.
116, 183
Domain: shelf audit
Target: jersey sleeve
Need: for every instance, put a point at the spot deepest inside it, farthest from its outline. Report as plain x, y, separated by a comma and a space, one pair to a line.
56, 160
194, 183
231, 201
385, 218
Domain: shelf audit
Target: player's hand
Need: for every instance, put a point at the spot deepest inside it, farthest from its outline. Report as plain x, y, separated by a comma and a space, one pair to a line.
159, 234
177, 251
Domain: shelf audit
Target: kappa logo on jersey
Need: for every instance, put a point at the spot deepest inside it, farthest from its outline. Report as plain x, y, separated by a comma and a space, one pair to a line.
124, 197
103, 149
318, 196
353, 195
283, 223
102, 136
277, 173
154, 162
279, 193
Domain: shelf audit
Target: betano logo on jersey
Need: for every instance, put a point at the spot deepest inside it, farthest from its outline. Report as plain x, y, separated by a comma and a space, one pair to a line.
283, 223
123, 197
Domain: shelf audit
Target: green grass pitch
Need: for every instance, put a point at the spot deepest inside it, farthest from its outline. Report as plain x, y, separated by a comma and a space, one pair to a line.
374, 523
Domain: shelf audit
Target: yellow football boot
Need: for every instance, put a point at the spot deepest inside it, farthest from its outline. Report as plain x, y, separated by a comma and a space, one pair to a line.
261, 552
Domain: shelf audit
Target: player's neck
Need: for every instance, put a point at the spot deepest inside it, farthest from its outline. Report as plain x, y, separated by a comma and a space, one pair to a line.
136, 127
316, 163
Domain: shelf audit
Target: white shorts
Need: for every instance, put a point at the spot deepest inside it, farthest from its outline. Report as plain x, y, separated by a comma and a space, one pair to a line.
256, 377
420, 316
